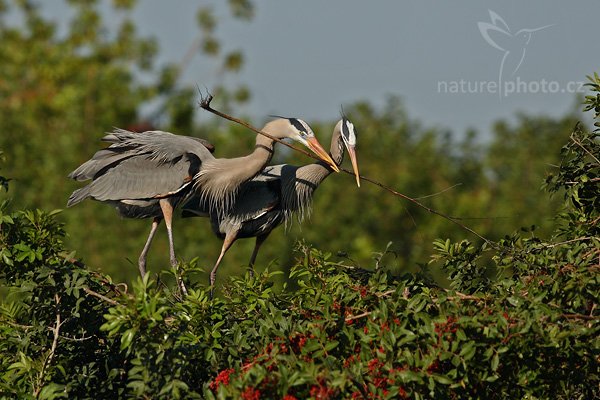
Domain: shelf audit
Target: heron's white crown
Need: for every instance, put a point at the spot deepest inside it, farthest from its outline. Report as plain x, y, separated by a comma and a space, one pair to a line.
348, 133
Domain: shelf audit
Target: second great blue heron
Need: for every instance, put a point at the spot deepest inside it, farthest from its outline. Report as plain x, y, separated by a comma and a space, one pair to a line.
273, 196
146, 175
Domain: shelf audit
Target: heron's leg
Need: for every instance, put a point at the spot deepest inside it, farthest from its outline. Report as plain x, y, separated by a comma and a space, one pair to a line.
142, 259
229, 239
259, 241
167, 210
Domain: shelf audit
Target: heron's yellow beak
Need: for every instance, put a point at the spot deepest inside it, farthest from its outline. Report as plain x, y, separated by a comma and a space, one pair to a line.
316, 147
352, 154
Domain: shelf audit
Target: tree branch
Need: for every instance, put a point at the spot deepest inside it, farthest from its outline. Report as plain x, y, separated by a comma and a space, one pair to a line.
101, 297
50, 356
353, 317
580, 316
581, 239
578, 143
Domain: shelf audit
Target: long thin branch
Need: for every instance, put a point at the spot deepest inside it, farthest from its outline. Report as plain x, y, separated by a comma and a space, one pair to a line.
580, 239
101, 297
463, 296
578, 143
56, 335
438, 193
103, 280
580, 316
353, 317
423, 206
56, 331
205, 104
14, 324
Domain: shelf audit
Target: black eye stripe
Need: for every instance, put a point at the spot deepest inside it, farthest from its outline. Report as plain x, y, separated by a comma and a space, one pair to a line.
297, 124
345, 130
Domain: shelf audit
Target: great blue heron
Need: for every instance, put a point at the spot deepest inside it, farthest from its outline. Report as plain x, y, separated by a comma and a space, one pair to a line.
272, 197
146, 175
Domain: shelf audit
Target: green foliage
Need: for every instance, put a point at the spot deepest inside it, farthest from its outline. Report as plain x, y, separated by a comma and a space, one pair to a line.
50, 334
338, 331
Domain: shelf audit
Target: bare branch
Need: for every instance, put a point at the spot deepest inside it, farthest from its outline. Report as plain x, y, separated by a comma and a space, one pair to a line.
578, 143
14, 324
55, 330
580, 316
580, 239
81, 339
353, 317
101, 297
423, 206
438, 193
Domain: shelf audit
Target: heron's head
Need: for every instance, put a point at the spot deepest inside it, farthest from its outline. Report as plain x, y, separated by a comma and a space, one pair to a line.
348, 135
301, 132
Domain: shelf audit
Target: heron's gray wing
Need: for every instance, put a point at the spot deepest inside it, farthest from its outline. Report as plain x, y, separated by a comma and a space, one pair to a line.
140, 177
257, 197
162, 145
102, 160
270, 172
159, 145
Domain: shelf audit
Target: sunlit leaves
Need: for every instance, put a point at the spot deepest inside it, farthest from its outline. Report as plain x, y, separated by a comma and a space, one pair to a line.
343, 332
233, 61
243, 9
210, 46
206, 19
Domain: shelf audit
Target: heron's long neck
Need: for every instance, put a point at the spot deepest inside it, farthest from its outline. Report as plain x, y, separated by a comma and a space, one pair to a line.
249, 166
220, 178
227, 174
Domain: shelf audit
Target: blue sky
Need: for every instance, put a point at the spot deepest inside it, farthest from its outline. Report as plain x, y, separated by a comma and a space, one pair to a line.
308, 58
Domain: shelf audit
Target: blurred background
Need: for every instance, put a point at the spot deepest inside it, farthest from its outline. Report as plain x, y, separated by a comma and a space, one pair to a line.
477, 96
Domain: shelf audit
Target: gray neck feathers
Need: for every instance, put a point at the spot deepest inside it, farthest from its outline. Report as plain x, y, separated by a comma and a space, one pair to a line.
219, 179
298, 191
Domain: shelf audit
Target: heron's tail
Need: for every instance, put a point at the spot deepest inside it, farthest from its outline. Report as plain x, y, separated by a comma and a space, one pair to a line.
78, 196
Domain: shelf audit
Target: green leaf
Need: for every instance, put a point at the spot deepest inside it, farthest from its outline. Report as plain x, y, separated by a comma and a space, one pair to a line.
127, 338
495, 361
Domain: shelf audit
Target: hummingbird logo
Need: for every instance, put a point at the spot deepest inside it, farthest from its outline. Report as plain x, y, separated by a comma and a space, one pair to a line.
514, 45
